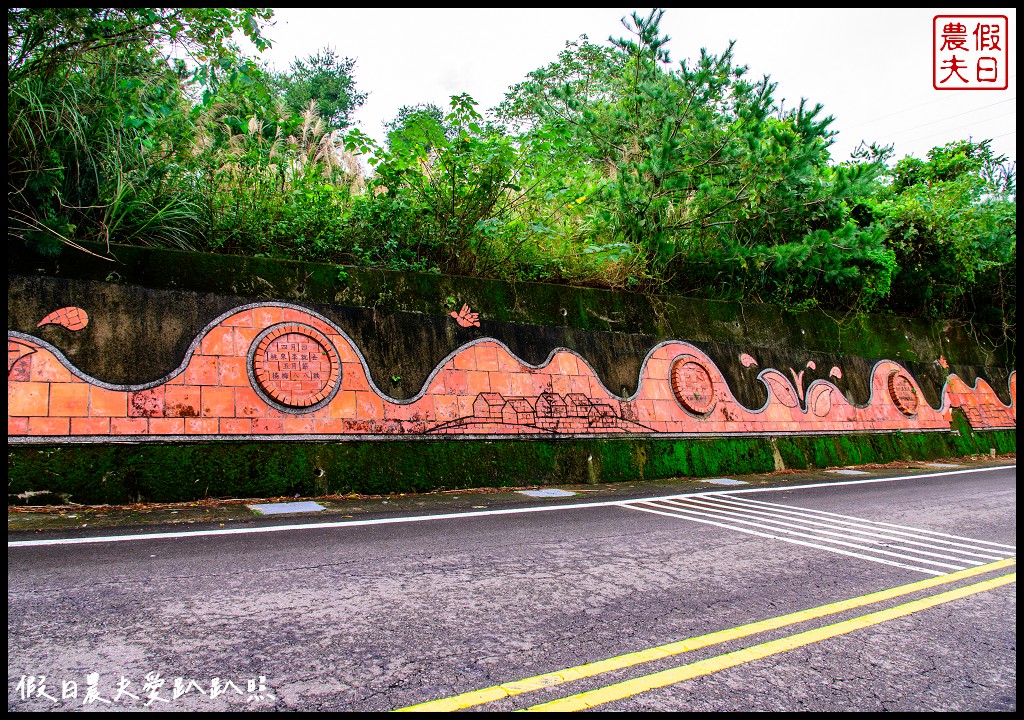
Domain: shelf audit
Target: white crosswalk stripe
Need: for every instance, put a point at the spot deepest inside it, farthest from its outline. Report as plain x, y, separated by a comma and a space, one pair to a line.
925, 551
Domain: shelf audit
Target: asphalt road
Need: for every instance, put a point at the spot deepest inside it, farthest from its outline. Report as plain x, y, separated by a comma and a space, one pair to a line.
382, 613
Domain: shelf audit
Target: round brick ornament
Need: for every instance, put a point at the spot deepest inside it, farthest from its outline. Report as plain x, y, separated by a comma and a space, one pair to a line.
692, 385
903, 394
294, 367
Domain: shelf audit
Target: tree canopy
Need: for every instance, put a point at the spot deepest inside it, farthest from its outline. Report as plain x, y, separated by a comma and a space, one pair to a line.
613, 165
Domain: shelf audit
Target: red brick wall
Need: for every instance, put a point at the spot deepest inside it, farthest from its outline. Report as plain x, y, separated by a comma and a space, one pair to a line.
278, 370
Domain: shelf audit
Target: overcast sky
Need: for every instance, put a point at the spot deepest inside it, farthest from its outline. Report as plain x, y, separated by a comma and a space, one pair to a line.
871, 69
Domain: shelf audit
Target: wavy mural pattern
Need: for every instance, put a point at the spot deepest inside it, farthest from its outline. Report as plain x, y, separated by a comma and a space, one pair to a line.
277, 370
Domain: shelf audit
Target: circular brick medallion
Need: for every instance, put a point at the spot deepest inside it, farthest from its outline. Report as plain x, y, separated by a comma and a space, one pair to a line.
902, 392
294, 367
692, 385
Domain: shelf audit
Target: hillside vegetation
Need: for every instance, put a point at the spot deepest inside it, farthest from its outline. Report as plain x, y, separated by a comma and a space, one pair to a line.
612, 166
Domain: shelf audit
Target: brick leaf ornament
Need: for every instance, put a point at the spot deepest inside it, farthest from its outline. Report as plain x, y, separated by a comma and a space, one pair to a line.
72, 318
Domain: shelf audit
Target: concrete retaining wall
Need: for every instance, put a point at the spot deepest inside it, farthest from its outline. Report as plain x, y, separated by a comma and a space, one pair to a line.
182, 355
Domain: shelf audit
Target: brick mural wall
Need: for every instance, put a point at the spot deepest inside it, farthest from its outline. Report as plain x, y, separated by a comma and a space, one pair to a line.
276, 370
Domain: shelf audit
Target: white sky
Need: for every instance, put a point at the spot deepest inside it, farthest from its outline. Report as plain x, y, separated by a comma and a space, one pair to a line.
871, 69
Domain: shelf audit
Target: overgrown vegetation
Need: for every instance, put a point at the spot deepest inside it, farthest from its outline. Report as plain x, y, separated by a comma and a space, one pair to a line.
611, 166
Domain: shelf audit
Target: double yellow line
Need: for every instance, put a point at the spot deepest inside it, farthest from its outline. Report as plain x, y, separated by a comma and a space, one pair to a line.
618, 691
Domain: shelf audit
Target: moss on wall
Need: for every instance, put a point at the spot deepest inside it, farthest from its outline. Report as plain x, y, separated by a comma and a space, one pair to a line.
150, 304
172, 473
147, 305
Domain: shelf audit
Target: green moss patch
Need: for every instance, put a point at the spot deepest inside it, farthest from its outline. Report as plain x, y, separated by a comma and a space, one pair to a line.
115, 474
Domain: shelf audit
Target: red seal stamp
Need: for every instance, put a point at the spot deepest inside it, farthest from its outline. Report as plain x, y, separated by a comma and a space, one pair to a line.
970, 52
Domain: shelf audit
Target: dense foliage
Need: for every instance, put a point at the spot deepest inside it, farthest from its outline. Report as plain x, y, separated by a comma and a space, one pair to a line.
611, 166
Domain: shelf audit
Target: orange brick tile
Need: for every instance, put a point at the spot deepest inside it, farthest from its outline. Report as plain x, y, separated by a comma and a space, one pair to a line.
436, 386
49, 426
522, 384
581, 384
129, 426
659, 389
664, 410
201, 426
28, 399
343, 405
465, 360
46, 368
182, 401
218, 402
353, 377
561, 384
201, 370
465, 407
167, 426
267, 426
369, 406
218, 341
244, 337
298, 425
423, 409
17, 425
541, 384
248, 403
263, 317
446, 407
90, 426
508, 362
235, 426
394, 411
242, 319
69, 400
323, 327
146, 403
345, 351
320, 413
329, 426
293, 315
500, 382
565, 364
477, 382
456, 382
645, 411
107, 403
21, 371
486, 357
231, 372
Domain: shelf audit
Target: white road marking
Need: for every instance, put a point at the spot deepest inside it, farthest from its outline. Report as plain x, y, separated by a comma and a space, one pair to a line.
483, 513
782, 522
793, 541
732, 512
933, 533
687, 513
786, 512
